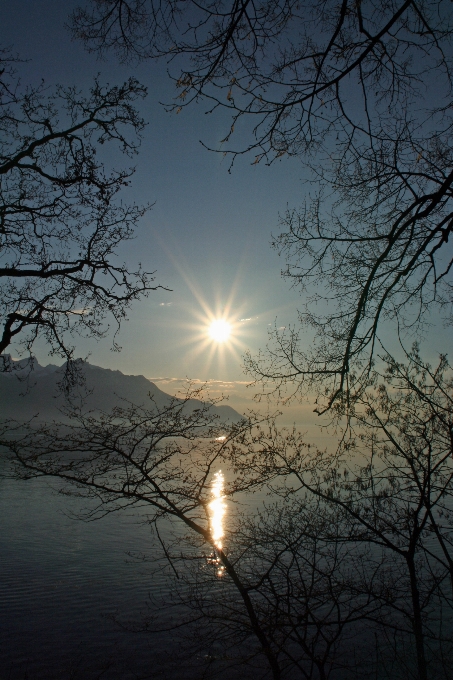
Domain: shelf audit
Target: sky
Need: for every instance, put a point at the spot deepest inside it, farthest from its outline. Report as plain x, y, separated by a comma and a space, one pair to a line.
207, 236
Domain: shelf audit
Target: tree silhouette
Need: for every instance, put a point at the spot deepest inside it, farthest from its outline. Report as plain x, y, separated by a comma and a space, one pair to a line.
353, 547
391, 482
61, 217
361, 92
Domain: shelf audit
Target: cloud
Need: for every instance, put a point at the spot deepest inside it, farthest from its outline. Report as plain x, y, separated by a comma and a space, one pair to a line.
81, 312
249, 318
197, 381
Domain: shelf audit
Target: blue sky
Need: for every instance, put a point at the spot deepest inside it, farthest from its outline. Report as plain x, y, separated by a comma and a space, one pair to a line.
208, 234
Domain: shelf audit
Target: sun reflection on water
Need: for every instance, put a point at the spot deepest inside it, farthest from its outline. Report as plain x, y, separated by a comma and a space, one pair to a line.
217, 509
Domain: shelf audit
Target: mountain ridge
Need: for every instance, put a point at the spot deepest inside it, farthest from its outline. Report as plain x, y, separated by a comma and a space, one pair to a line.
27, 393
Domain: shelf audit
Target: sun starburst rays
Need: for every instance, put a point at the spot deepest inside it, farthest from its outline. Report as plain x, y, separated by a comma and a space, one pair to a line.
215, 338
217, 333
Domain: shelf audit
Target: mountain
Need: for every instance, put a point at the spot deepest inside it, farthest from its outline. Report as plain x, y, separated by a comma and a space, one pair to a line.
25, 394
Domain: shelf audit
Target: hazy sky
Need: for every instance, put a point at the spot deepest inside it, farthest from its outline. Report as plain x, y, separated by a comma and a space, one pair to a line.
207, 236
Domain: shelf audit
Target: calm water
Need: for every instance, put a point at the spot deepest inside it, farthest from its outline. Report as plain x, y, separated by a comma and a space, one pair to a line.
60, 582
65, 584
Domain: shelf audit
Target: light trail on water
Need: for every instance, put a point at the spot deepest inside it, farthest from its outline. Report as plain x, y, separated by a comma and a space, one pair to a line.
217, 510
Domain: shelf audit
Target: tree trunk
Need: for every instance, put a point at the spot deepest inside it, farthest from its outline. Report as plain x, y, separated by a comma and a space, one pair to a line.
417, 619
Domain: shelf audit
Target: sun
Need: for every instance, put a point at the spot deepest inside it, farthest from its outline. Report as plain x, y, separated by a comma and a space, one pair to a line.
220, 330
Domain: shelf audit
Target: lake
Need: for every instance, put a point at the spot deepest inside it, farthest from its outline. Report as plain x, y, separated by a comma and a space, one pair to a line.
61, 581
66, 586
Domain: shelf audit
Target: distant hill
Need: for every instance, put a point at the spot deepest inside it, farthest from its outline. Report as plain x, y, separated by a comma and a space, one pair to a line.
38, 395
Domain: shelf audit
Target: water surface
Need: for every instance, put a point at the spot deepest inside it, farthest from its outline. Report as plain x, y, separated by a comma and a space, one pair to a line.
62, 581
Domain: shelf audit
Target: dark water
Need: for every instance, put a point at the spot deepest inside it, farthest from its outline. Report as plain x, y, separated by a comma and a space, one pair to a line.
65, 585
62, 580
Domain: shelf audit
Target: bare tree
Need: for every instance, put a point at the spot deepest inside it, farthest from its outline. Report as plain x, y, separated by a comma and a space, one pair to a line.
276, 593
61, 219
312, 596
293, 68
158, 460
391, 481
362, 93
351, 546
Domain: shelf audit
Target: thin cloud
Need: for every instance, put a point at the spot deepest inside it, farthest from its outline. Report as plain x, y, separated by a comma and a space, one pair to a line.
248, 319
226, 384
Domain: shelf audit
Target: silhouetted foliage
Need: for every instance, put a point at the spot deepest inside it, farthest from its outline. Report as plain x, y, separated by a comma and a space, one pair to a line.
361, 92
61, 218
346, 569
354, 553
390, 482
